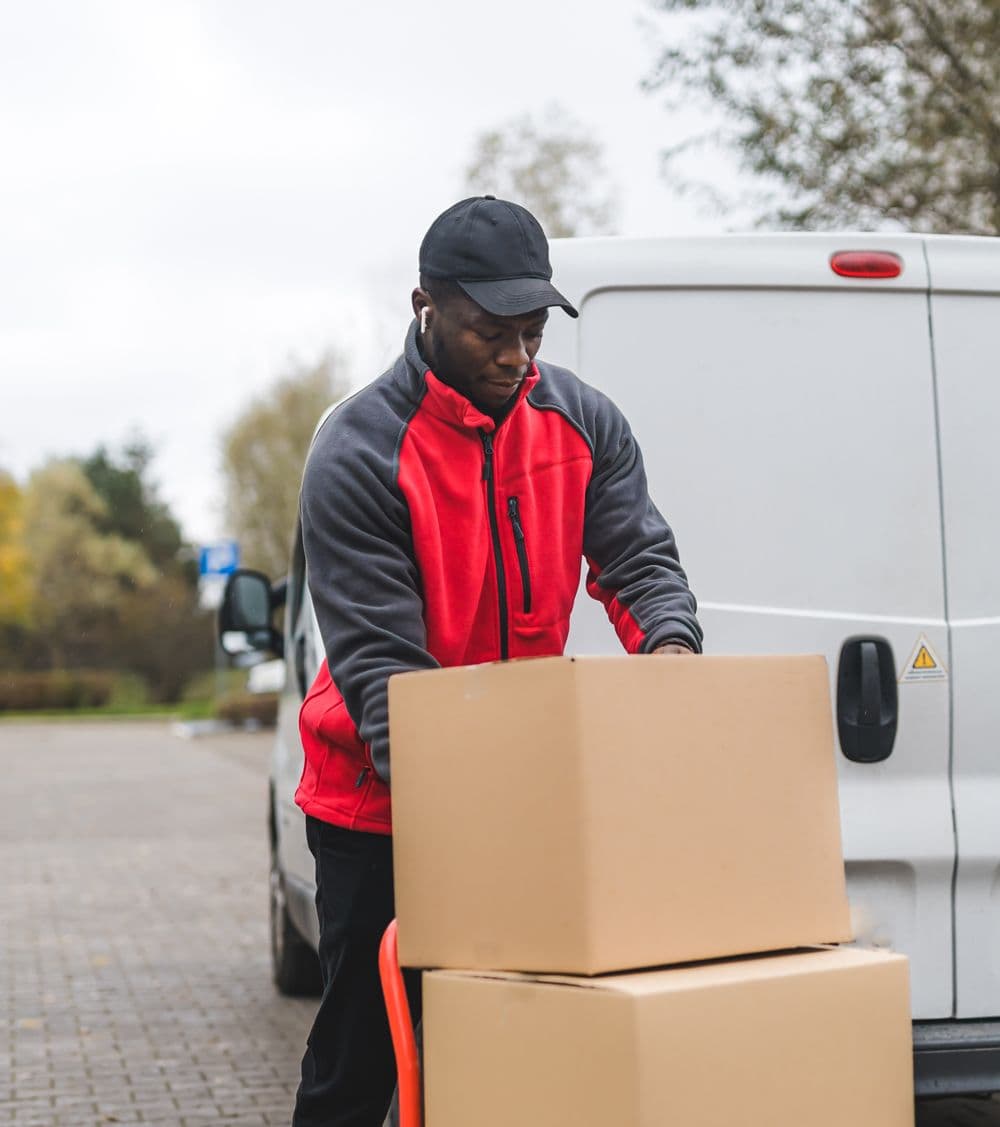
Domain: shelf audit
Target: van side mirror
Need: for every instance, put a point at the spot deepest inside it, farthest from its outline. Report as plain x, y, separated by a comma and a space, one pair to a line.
248, 604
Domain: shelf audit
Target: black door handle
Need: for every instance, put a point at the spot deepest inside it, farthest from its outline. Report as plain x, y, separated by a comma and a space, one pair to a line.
867, 701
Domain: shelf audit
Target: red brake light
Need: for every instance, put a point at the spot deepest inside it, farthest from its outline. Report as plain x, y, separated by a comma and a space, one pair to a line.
866, 264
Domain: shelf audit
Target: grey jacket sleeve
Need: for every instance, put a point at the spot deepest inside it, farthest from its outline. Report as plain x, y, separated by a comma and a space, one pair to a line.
634, 566
362, 575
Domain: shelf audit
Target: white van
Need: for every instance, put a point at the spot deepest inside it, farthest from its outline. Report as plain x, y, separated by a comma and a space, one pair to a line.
820, 421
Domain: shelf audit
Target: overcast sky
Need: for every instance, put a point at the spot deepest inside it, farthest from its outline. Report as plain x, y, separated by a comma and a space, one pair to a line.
192, 193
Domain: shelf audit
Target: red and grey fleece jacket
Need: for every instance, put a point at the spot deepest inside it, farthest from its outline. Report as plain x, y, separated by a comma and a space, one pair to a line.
435, 537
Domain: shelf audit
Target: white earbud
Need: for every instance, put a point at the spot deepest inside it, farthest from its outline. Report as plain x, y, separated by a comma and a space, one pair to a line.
423, 320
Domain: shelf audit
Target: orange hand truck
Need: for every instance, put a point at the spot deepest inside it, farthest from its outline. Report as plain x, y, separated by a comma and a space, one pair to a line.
404, 1041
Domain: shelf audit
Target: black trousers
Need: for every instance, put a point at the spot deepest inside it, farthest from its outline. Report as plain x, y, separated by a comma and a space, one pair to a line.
348, 1071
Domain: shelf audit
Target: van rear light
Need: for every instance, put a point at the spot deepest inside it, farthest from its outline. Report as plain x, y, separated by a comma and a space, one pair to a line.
866, 264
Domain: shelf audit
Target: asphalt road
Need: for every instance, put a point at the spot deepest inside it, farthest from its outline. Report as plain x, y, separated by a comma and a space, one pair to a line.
134, 968
134, 974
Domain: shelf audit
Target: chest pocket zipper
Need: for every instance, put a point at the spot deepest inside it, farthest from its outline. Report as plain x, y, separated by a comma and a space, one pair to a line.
522, 552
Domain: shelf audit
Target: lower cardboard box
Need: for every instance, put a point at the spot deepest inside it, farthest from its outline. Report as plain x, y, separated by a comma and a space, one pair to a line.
817, 1038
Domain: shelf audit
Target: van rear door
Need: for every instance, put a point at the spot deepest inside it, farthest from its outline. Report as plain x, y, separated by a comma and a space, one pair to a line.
965, 302
787, 419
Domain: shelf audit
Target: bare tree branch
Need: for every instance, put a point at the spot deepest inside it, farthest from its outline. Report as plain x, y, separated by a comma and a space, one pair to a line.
552, 166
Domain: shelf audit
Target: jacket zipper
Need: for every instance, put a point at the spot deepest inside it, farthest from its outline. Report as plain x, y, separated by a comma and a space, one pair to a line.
522, 551
491, 506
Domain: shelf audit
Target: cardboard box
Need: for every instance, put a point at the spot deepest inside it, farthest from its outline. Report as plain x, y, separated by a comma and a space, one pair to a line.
601, 814
818, 1038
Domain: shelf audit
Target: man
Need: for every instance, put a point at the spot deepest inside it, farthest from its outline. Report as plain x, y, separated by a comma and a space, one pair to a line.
445, 510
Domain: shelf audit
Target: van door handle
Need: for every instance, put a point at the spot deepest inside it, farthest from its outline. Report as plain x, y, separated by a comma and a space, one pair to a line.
867, 700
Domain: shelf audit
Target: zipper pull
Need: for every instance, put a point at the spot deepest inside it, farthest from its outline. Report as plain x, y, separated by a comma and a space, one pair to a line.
362, 777
515, 518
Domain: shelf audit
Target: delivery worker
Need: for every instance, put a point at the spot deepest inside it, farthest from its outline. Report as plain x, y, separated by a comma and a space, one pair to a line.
445, 510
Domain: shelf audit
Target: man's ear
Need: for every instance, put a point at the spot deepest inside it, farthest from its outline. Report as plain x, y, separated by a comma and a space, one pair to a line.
421, 299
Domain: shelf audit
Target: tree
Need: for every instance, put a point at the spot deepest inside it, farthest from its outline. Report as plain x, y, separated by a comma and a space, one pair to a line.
16, 649
15, 579
110, 582
859, 113
80, 574
552, 167
133, 511
164, 636
263, 453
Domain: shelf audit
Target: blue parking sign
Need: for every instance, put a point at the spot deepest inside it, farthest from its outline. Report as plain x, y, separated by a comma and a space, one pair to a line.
220, 558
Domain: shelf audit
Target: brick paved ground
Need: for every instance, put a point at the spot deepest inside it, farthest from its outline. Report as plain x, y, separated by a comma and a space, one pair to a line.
134, 974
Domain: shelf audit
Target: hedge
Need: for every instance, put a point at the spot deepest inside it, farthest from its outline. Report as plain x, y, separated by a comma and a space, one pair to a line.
57, 689
249, 708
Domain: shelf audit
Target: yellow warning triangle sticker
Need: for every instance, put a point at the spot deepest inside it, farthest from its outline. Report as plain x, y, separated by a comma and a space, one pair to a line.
923, 664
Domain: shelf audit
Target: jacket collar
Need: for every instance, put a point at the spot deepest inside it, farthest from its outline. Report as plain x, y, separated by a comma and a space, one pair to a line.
449, 405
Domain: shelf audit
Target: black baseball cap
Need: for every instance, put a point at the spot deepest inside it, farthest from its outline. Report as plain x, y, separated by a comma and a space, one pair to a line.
496, 251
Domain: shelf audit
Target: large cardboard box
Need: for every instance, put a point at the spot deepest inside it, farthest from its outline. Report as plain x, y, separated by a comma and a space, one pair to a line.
600, 814
817, 1039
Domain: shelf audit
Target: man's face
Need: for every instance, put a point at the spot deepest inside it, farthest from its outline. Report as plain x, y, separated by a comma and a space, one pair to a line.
480, 354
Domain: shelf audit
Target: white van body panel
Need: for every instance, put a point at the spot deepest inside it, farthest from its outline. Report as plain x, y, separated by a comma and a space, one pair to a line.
965, 305
827, 451
304, 654
787, 421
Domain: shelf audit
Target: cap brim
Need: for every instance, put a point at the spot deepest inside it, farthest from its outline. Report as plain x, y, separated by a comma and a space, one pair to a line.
512, 297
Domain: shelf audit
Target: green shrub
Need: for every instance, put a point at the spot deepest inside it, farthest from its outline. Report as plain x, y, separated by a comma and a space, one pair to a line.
253, 708
130, 693
56, 689
213, 683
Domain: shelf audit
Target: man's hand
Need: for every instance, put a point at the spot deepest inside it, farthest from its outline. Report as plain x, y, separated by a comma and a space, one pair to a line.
673, 648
